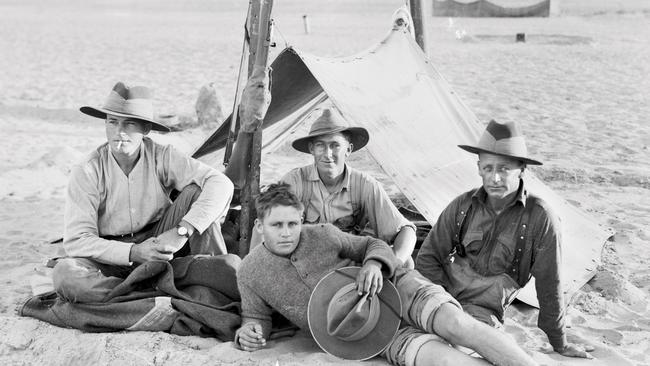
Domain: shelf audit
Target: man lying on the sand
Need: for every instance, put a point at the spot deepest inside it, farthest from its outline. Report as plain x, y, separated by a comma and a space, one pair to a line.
118, 208
489, 241
281, 273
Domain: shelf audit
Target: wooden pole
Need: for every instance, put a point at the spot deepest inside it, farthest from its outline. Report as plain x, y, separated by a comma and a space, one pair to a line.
260, 31
419, 16
243, 62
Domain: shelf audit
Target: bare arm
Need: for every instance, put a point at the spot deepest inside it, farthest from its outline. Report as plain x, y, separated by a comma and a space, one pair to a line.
404, 243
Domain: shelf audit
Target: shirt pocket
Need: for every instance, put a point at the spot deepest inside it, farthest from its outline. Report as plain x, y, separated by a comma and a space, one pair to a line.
503, 254
473, 241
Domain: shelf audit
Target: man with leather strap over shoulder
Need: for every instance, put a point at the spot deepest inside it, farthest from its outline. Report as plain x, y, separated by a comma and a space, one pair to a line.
489, 241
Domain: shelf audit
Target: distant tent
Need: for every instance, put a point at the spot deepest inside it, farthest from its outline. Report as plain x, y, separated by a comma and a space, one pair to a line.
491, 8
415, 122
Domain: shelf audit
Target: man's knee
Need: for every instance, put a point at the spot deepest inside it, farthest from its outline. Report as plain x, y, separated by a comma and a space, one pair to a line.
79, 280
67, 277
454, 324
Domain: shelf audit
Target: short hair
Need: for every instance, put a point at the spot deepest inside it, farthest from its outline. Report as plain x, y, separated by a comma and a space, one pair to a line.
277, 194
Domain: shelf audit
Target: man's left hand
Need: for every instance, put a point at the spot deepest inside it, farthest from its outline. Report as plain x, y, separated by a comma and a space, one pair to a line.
171, 239
574, 350
369, 278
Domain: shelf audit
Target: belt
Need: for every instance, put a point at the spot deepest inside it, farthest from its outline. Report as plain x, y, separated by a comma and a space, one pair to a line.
128, 236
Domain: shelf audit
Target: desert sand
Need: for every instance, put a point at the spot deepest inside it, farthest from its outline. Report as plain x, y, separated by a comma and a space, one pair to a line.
578, 86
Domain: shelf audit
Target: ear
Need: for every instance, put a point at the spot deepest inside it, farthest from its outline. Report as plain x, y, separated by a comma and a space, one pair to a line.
349, 150
478, 167
147, 128
522, 173
259, 225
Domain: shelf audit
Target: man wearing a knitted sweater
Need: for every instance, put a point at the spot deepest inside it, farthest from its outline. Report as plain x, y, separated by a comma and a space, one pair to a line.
281, 274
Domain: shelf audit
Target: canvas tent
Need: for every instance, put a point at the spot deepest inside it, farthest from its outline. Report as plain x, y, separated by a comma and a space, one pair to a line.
493, 8
415, 122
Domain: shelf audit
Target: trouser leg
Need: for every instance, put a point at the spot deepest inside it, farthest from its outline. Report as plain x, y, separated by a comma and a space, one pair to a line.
85, 280
209, 242
421, 298
415, 347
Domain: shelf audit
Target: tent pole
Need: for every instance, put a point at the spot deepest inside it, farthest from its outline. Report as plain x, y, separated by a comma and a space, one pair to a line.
419, 16
260, 30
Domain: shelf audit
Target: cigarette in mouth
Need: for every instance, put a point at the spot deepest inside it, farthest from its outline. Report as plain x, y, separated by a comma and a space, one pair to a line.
119, 144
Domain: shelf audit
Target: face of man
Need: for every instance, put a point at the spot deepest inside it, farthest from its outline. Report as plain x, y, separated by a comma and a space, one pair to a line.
125, 134
500, 175
330, 152
281, 229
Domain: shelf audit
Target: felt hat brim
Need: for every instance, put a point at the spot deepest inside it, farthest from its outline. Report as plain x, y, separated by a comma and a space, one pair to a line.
478, 150
371, 345
99, 112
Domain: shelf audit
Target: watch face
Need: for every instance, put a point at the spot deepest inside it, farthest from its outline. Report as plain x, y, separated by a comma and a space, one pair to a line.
182, 231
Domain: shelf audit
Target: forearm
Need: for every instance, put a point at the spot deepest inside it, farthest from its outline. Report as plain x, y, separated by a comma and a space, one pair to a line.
212, 204
404, 243
428, 262
91, 246
379, 251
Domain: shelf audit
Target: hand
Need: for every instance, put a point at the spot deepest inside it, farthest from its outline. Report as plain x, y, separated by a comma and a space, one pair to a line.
255, 99
574, 350
151, 250
250, 337
369, 278
171, 240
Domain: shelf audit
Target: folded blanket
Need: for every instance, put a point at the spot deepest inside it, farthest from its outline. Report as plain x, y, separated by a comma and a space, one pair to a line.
195, 295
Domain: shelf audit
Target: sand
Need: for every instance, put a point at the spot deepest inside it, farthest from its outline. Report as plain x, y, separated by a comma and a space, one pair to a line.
579, 86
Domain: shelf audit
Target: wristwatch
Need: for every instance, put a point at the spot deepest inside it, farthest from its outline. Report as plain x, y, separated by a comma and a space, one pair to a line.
182, 231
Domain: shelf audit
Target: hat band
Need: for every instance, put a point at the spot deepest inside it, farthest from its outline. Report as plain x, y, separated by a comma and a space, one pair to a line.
508, 146
368, 325
137, 107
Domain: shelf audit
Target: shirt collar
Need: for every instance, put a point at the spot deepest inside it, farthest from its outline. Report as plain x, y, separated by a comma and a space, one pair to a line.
480, 194
312, 175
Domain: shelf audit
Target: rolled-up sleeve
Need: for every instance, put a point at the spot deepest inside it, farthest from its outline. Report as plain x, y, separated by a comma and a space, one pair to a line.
363, 248
383, 216
81, 234
178, 170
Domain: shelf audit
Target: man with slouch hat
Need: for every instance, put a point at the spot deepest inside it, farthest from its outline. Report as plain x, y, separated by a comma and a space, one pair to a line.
489, 241
118, 208
333, 192
309, 274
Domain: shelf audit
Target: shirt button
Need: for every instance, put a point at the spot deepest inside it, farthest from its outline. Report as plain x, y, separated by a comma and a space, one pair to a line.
293, 259
133, 210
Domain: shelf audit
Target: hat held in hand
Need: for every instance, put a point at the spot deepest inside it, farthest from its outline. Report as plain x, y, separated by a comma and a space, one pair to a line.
503, 139
130, 102
348, 325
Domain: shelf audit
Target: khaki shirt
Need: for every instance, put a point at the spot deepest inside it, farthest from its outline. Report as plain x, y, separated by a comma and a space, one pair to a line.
359, 204
102, 201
